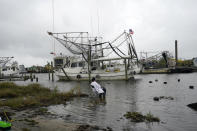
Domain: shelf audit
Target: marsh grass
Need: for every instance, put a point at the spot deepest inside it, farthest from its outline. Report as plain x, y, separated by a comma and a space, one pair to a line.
33, 95
138, 117
150, 118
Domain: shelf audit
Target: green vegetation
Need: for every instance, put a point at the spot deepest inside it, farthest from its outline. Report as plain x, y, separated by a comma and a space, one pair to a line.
150, 118
138, 117
134, 116
33, 95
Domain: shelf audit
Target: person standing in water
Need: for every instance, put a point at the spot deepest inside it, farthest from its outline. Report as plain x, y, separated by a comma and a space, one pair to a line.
98, 89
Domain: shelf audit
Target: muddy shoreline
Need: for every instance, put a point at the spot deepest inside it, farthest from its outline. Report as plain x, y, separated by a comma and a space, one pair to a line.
25, 107
34, 119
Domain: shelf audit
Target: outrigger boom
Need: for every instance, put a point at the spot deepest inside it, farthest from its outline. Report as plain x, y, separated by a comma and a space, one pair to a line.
94, 53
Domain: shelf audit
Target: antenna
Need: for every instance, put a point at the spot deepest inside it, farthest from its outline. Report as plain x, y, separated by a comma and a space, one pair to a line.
53, 26
91, 24
98, 21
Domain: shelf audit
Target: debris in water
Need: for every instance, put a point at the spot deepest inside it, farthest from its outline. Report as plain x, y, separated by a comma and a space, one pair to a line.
178, 80
156, 80
193, 106
92, 128
191, 87
150, 82
156, 98
166, 97
165, 82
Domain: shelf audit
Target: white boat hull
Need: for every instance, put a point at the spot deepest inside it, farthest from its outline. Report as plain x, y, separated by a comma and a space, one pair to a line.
99, 76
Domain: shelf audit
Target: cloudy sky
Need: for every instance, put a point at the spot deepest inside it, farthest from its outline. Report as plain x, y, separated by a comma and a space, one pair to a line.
156, 24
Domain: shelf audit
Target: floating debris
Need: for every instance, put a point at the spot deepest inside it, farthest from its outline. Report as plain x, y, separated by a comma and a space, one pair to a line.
150, 82
178, 80
191, 87
92, 128
138, 117
166, 97
165, 82
193, 106
156, 98
156, 80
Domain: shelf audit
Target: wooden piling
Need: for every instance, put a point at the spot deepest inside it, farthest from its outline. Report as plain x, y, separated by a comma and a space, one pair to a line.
89, 63
65, 74
10, 77
49, 70
126, 75
30, 75
52, 74
176, 52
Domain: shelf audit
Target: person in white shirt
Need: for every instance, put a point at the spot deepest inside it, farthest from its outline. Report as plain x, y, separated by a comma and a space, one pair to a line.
97, 88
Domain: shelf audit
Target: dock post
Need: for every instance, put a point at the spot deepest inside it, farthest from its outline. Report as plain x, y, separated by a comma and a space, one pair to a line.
176, 52
89, 63
52, 75
10, 77
49, 70
30, 75
126, 76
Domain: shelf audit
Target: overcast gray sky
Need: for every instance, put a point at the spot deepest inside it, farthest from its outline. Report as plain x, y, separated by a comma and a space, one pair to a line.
156, 24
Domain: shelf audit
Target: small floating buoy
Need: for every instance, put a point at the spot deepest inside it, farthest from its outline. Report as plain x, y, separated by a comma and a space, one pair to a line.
150, 82
170, 98
165, 82
156, 98
191, 87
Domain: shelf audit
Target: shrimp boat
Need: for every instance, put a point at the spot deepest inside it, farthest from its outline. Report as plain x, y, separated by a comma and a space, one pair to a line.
8, 68
115, 60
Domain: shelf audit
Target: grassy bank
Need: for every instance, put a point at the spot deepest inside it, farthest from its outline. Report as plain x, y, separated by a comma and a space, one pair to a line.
33, 95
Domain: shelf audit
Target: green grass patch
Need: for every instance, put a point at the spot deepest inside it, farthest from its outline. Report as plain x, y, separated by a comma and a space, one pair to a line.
33, 95
138, 117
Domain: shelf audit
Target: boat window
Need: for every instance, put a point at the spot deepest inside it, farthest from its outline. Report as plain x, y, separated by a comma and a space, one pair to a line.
81, 64
58, 61
74, 64
4, 69
13, 68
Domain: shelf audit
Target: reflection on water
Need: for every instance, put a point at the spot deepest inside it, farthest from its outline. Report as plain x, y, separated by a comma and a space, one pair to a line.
131, 96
